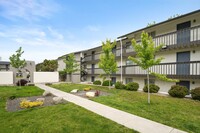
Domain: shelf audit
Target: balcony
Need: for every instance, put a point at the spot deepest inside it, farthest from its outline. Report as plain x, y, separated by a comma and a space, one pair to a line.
179, 70
181, 38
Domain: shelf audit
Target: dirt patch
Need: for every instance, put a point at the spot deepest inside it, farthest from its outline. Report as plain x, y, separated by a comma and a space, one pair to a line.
14, 105
83, 93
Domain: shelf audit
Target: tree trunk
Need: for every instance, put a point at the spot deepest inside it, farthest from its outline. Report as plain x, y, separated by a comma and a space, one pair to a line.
148, 85
109, 81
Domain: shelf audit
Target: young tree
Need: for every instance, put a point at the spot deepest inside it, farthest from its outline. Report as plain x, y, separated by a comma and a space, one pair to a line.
49, 65
145, 55
17, 63
107, 59
71, 65
15, 60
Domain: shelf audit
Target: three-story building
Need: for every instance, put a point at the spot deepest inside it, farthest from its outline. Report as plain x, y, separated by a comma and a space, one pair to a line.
180, 37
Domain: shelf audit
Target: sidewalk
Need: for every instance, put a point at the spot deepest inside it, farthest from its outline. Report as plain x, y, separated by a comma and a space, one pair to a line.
128, 120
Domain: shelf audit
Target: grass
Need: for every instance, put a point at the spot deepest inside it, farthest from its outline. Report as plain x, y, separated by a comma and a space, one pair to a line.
60, 118
183, 114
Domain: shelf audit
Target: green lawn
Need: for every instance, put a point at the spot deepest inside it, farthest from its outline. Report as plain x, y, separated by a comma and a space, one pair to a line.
183, 114
61, 118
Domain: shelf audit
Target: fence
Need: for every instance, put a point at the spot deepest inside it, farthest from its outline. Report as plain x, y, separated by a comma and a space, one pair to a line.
7, 78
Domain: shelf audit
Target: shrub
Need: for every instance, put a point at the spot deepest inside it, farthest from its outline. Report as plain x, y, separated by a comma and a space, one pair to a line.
87, 89
12, 97
97, 82
106, 83
120, 85
62, 75
178, 91
152, 88
27, 104
196, 93
22, 82
132, 86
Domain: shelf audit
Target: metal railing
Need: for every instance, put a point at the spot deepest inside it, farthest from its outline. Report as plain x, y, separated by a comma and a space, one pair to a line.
191, 68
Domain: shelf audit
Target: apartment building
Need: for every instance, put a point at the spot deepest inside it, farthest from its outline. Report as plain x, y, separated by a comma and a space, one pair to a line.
181, 39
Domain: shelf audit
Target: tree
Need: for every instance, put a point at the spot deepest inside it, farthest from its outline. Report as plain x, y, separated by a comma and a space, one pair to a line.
71, 64
49, 65
15, 60
107, 59
17, 63
145, 55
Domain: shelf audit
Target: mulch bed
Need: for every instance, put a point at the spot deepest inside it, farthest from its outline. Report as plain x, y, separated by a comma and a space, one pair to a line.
83, 93
14, 105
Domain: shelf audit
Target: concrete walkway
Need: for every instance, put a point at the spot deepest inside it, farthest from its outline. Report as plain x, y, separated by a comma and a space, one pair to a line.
128, 120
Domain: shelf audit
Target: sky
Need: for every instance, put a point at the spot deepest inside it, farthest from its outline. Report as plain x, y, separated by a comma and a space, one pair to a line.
48, 29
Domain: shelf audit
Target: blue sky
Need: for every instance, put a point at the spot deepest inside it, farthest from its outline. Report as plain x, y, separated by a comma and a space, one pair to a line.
47, 29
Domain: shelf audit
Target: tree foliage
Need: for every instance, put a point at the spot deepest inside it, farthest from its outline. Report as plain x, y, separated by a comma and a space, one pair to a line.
15, 60
49, 65
107, 59
145, 52
71, 64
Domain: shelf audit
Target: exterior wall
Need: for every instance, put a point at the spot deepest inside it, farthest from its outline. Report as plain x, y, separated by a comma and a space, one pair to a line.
28, 69
46, 77
61, 64
6, 78
194, 84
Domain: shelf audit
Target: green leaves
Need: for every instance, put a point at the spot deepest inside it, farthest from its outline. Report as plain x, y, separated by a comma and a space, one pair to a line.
145, 56
71, 64
15, 60
107, 59
49, 65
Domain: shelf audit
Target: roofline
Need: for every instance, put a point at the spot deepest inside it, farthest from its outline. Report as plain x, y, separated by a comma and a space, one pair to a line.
184, 15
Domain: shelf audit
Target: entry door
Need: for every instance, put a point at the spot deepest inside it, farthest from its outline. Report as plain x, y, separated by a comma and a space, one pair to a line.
183, 33
184, 67
93, 68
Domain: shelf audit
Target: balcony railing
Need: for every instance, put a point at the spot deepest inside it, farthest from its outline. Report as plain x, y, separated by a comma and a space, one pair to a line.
185, 37
182, 37
175, 69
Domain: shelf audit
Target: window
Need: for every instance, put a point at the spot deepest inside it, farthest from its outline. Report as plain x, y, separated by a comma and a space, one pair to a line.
129, 62
128, 80
151, 81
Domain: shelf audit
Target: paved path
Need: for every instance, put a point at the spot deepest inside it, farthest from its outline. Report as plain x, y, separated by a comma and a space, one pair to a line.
129, 120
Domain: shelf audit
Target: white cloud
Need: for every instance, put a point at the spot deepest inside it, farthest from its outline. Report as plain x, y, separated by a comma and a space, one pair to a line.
27, 9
